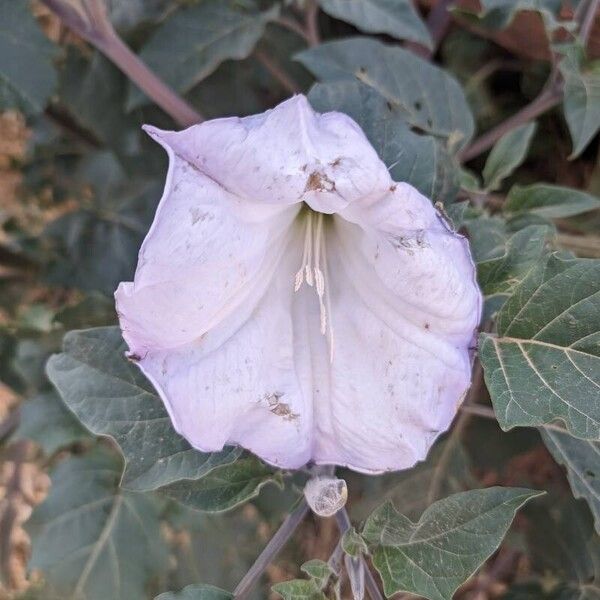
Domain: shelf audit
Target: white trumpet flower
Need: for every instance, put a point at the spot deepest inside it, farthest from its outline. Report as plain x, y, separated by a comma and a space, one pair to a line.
291, 298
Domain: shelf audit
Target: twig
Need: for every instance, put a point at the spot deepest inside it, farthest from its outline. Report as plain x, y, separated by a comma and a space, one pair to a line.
277, 72
438, 22
344, 524
10, 424
587, 23
294, 26
488, 413
71, 128
311, 21
98, 30
582, 245
548, 99
276, 543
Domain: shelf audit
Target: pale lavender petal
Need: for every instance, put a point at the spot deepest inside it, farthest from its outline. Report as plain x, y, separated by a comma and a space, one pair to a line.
286, 155
404, 308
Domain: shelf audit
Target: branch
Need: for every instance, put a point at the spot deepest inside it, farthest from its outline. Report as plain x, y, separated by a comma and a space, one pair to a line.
548, 99
98, 31
311, 21
277, 72
438, 22
587, 23
276, 543
488, 413
344, 524
294, 26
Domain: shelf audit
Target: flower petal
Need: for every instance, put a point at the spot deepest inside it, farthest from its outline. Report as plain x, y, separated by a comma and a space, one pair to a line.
238, 357
404, 307
238, 383
202, 257
286, 155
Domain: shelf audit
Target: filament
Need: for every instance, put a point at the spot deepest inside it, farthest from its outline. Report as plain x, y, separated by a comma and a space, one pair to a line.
313, 270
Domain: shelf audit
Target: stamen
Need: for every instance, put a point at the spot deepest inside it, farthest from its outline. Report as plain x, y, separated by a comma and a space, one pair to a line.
328, 301
308, 247
314, 271
319, 278
304, 267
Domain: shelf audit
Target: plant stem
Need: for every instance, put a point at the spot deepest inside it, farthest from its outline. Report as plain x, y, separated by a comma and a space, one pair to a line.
149, 83
294, 26
438, 22
587, 23
277, 72
549, 98
276, 543
344, 524
488, 413
311, 20
99, 32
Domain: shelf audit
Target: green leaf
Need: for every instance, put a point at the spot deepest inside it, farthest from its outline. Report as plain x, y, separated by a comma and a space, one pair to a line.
432, 101
27, 76
503, 261
129, 14
225, 487
92, 91
549, 201
544, 364
96, 246
563, 549
299, 589
397, 18
311, 589
499, 14
45, 420
319, 571
92, 540
353, 544
581, 100
194, 41
581, 458
453, 537
197, 592
522, 251
506, 155
111, 397
421, 160
446, 471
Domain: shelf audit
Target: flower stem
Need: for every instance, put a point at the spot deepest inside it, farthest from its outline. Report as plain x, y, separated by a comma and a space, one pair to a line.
93, 25
276, 543
344, 524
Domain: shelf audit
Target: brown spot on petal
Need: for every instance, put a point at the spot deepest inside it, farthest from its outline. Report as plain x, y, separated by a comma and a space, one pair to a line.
319, 182
279, 408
